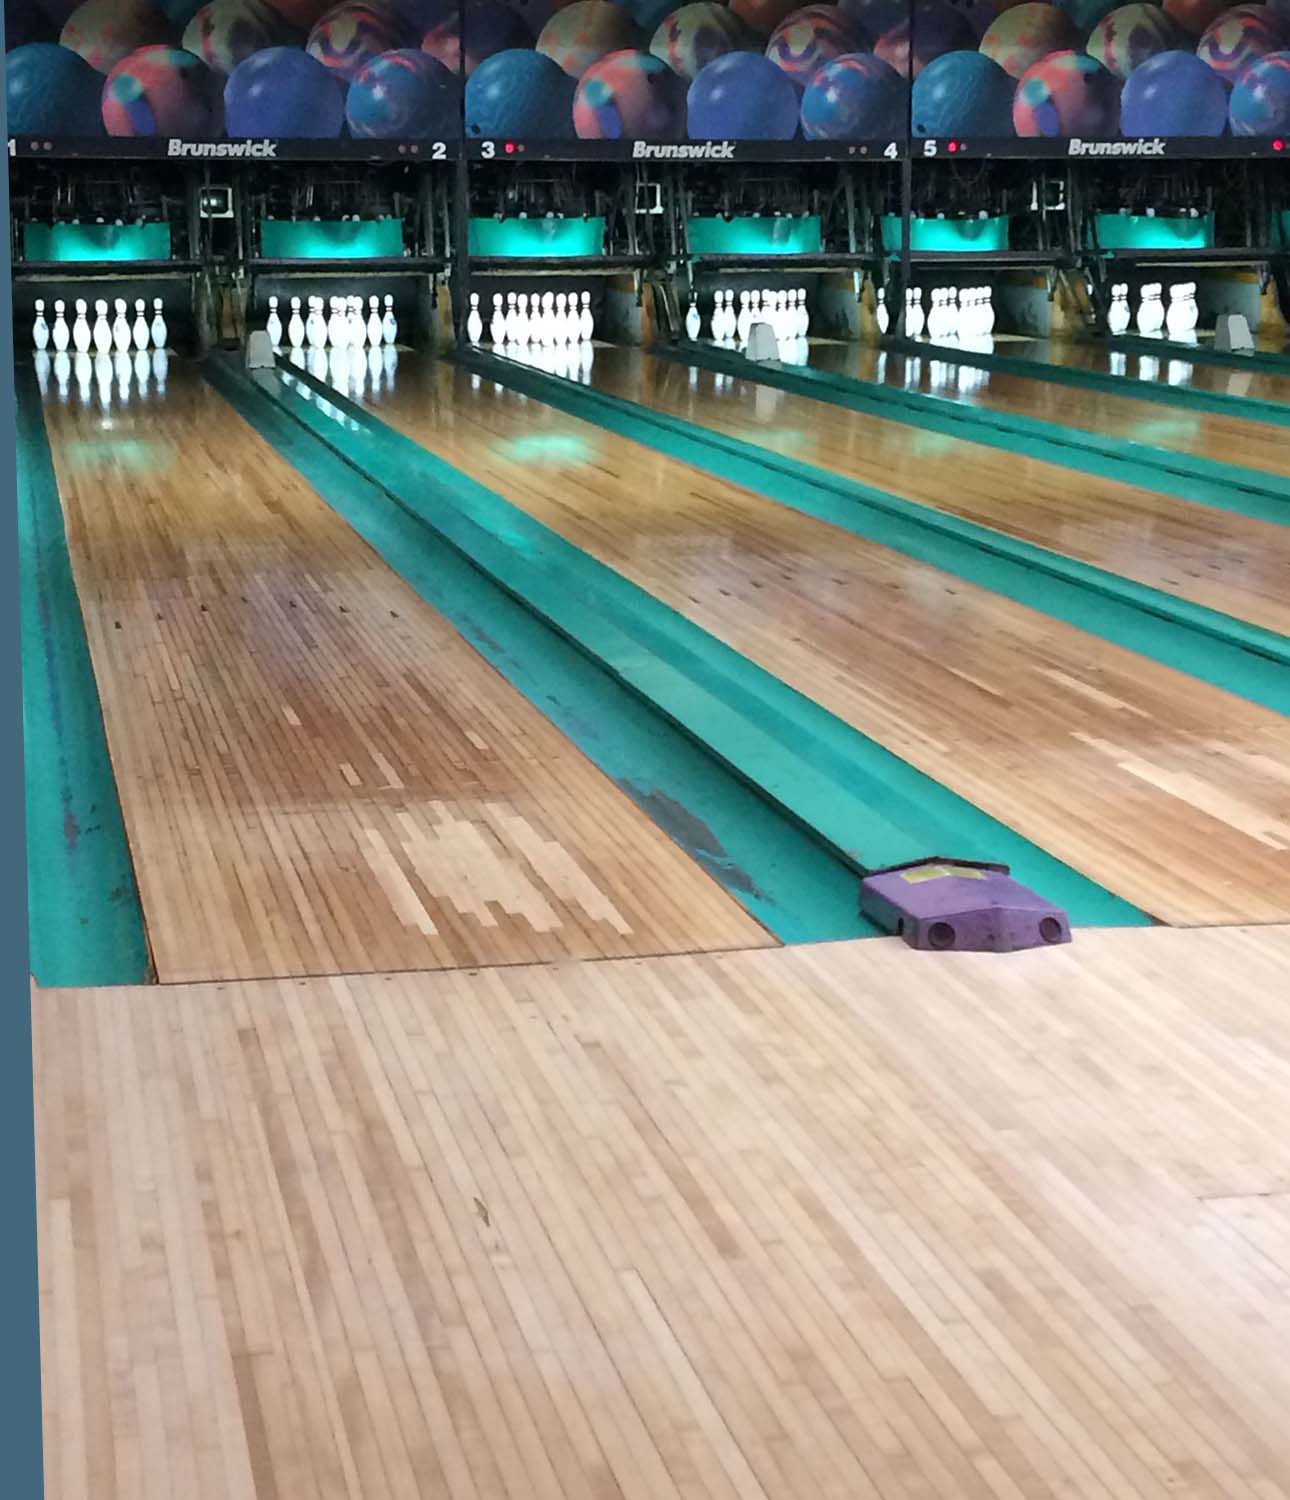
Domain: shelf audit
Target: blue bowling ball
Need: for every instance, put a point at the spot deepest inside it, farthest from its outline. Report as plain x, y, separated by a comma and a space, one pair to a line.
519, 95
1173, 93
282, 92
963, 93
742, 96
51, 90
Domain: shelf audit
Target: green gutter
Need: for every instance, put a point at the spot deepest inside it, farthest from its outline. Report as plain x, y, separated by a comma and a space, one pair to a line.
788, 881
1248, 492
1230, 654
86, 922
1203, 354
1246, 408
863, 803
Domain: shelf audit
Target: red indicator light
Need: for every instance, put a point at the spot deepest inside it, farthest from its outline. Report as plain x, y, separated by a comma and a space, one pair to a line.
1278, 144
954, 146
509, 148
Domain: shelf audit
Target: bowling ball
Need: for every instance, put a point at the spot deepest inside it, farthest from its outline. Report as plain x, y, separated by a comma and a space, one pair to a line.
690, 38
1173, 93
1240, 37
51, 90
490, 27
403, 95
629, 95
742, 96
583, 33
1067, 93
224, 33
354, 32
1194, 16
856, 97
1260, 102
812, 37
937, 28
962, 93
283, 92
763, 16
162, 91
1019, 37
517, 94
1124, 39
104, 31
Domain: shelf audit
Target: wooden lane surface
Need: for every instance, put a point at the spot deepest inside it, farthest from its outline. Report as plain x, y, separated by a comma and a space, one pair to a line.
833, 1223
317, 773
1081, 355
1209, 556
1159, 787
1254, 445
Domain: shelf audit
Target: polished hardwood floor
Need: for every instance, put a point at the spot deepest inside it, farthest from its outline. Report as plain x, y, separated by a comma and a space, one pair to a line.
1254, 445
845, 1221
317, 773
1196, 552
1089, 355
1170, 792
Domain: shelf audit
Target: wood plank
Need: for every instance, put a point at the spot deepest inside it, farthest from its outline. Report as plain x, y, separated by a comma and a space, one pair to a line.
843, 1221
318, 774
1166, 790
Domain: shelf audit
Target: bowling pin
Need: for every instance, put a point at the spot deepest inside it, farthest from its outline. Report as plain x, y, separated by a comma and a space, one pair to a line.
881, 315
803, 314
335, 325
120, 327
139, 331
158, 340
744, 321
359, 324
497, 324
548, 319
102, 328
474, 323
1191, 309
315, 328
374, 322
62, 333
273, 324
295, 325
915, 317
519, 325
587, 322
81, 336
512, 312
389, 325
40, 329
693, 323
1117, 316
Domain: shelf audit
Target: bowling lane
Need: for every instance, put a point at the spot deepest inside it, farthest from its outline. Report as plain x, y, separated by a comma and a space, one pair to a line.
1255, 445
1163, 789
1168, 366
318, 774
1209, 556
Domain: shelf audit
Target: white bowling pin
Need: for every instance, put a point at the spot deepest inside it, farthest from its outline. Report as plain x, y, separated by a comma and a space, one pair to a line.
548, 319
81, 335
915, 317
693, 323
389, 325
335, 325
40, 329
497, 323
273, 324
519, 325
986, 319
474, 323
159, 334
139, 332
587, 321
120, 328
881, 315
744, 321
374, 322
62, 333
102, 329
295, 325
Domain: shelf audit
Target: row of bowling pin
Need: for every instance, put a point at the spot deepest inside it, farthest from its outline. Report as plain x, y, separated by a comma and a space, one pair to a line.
550, 320
785, 311
102, 335
954, 313
344, 327
566, 361
360, 370
1179, 319
119, 377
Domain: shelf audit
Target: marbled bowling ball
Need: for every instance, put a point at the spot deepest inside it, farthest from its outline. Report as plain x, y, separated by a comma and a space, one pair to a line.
283, 92
936, 27
518, 94
354, 32
962, 93
812, 37
856, 97
490, 27
1195, 16
1260, 102
1024, 34
690, 38
105, 31
583, 33
1173, 93
404, 96
162, 91
742, 96
1240, 37
51, 91
224, 33
763, 16
1065, 94
629, 95
1128, 36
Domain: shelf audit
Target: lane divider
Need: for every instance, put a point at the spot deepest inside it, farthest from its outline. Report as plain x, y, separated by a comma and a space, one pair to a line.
86, 922
868, 807
1248, 492
1243, 659
1258, 360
